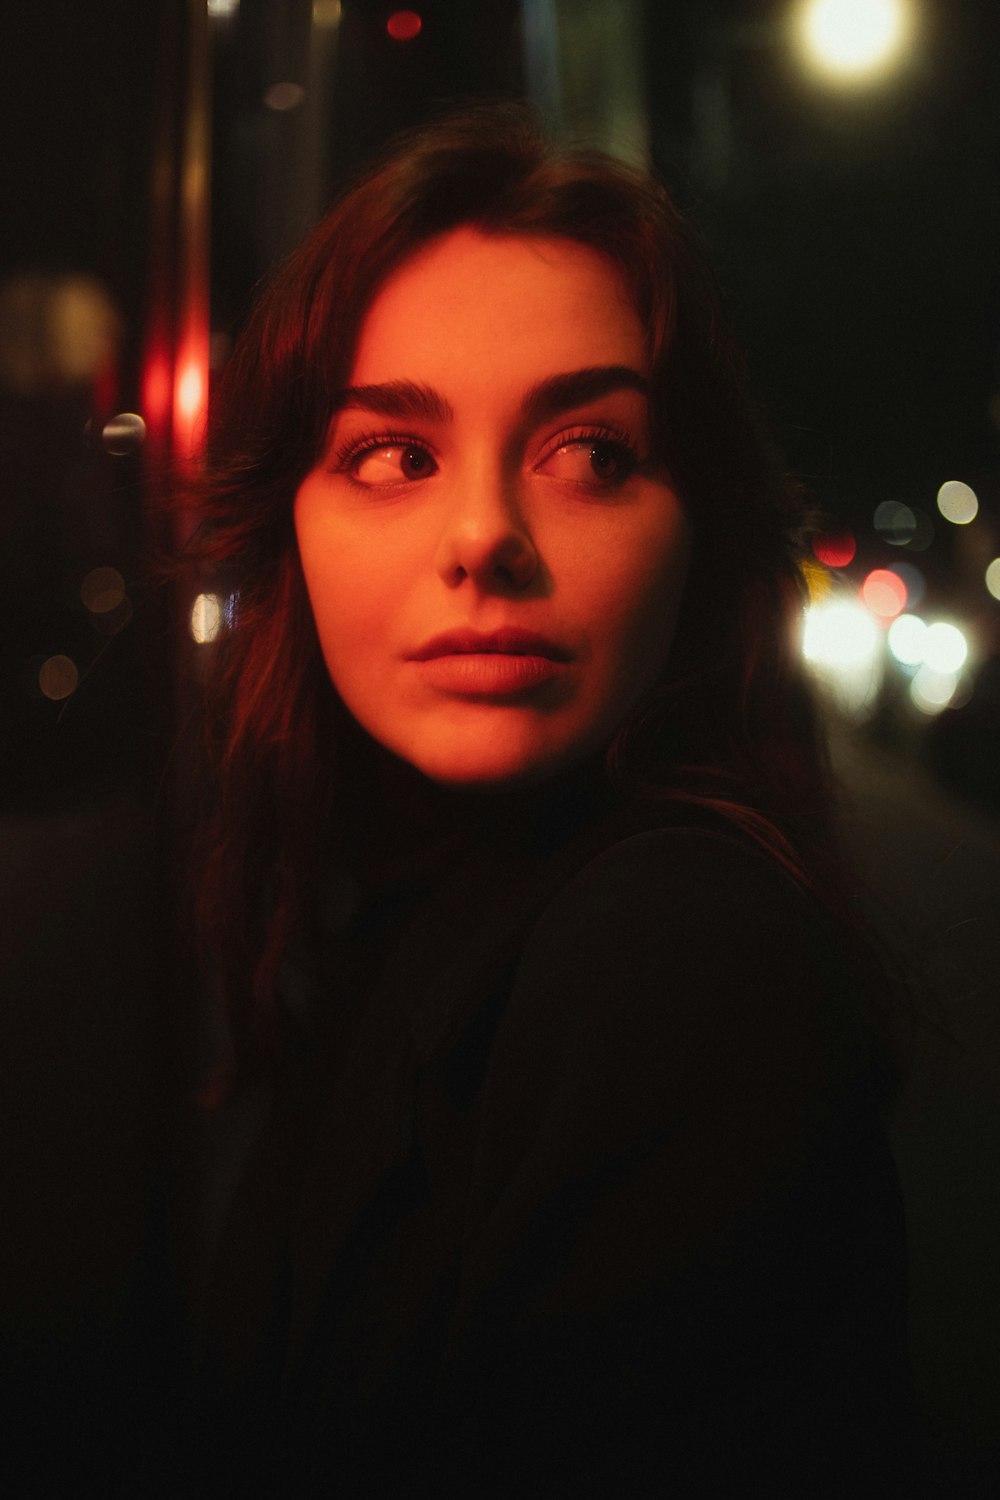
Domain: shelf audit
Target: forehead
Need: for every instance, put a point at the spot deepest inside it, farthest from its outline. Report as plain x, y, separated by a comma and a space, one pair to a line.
500, 306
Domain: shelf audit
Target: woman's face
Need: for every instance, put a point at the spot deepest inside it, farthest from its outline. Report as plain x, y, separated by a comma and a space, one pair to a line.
493, 556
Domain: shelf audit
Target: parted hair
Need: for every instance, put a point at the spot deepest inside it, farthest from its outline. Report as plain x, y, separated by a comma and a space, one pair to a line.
729, 727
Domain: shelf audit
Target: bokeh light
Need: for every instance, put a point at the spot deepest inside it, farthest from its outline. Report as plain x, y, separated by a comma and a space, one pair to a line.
835, 549
895, 522
58, 677
123, 434
946, 648
907, 640
206, 618
102, 590
993, 578
281, 97
839, 634
191, 397
884, 593
913, 580
932, 691
853, 39
957, 502
842, 644
57, 331
404, 25
924, 531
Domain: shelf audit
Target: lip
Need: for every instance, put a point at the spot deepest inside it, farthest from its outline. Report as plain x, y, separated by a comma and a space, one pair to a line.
508, 641
495, 664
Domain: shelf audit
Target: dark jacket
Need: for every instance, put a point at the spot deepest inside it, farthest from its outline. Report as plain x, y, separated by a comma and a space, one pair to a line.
590, 1195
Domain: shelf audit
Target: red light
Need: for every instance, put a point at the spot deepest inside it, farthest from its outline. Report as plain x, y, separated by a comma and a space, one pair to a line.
190, 397
835, 550
403, 25
190, 393
156, 394
884, 593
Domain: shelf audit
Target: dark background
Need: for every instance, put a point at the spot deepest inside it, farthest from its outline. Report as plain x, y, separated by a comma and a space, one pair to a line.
856, 231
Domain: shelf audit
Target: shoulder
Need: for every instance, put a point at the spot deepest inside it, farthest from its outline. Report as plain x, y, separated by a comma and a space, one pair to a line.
709, 879
683, 965
682, 907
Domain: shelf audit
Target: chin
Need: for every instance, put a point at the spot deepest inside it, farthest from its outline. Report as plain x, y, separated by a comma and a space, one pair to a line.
493, 768
488, 776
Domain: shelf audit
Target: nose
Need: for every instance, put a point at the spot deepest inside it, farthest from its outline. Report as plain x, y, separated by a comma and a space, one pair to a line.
485, 537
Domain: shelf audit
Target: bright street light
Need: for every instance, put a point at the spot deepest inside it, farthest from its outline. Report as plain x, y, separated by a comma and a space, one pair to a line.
853, 39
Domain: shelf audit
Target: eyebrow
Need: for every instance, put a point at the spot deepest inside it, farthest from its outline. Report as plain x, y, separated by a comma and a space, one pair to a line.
549, 398
396, 398
562, 392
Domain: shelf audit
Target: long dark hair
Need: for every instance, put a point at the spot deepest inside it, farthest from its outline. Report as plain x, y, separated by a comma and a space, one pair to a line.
730, 726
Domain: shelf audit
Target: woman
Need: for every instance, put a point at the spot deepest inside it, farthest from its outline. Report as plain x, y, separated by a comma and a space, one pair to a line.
516, 877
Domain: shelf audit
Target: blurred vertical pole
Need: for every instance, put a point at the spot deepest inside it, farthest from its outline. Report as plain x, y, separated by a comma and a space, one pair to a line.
175, 351
190, 394
540, 33
584, 66
174, 403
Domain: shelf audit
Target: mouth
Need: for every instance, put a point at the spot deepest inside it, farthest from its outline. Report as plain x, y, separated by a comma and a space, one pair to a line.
496, 666
506, 642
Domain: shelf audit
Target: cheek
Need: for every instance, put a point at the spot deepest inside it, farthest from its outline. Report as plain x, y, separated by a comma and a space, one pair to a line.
637, 610
349, 591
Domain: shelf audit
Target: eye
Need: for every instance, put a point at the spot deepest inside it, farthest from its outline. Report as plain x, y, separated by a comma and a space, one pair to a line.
390, 464
386, 461
590, 460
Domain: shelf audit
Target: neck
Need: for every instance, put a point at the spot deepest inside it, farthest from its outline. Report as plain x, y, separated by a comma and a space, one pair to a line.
401, 826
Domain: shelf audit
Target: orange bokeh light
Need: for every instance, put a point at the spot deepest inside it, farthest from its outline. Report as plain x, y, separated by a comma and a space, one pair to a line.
884, 593
190, 392
190, 401
404, 25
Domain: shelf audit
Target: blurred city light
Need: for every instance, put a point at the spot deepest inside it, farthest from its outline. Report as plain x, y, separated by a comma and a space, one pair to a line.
923, 534
839, 634
155, 385
895, 523
58, 677
206, 618
123, 434
326, 12
404, 25
282, 97
842, 644
57, 330
946, 648
931, 691
913, 580
220, 10
853, 39
907, 640
191, 400
993, 578
835, 550
957, 502
884, 593
102, 590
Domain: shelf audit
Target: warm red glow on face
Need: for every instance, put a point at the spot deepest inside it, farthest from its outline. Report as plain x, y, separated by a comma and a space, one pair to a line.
493, 555
404, 25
